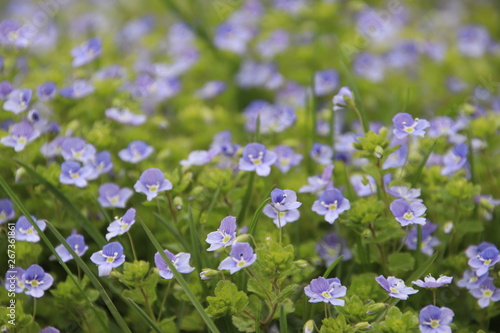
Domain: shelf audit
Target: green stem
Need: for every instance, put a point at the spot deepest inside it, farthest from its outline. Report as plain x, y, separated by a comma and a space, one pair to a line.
171, 208
246, 199
132, 245
164, 300
146, 302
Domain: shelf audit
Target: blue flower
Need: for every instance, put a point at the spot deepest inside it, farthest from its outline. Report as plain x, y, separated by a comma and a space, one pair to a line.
331, 247
272, 118
431, 282
396, 287
397, 159
151, 182
405, 125
20, 134
232, 36
331, 203
326, 290
26, 232
325, 82
122, 224
18, 100
322, 154
86, 52
474, 250
428, 241
136, 151
78, 89
241, 256
180, 262
211, 89
72, 173
224, 236
362, 189
435, 320
286, 158
199, 157
403, 192
455, 159
276, 43
5, 89
6, 210
111, 256
100, 165
125, 116
489, 257
111, 195
76, 149
408, 213
340, 100
13, 280
318, 183
473, 40
36, 281
470, 280
486, 293
369, 66
281, 217
46, 91
257, 158
77, 243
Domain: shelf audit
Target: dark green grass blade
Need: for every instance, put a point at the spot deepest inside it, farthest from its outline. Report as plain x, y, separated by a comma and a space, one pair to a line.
421, 167
171, 227
253, 225
332, 266
181, 281
199, 254
144, 315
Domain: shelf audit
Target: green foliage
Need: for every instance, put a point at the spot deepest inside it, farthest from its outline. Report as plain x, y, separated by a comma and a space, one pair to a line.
227, 300
396, 322
401, 262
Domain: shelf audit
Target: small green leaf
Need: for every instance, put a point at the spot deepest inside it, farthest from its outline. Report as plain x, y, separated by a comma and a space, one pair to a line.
401, 262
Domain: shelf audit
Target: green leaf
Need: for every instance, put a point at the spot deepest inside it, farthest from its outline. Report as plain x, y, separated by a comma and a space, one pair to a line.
283, 321
418, 172
332, 266
227, 300
256, 216
401, 262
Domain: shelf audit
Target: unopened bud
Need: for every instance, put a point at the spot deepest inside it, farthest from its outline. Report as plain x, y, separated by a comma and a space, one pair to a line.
448, 227
309, 326
366, 233
207, 273
242, 238
379, 152
364, 325
375, 308
178, 203
301, 263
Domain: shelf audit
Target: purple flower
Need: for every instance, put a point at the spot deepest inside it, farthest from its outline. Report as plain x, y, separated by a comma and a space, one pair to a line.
435, 320
6, 210
486, 293
49, 329
397, 159
403, 192
77, 243
14, 34
283, 200
233, 37
53, 148
136, 151
446, 126
322, 153
211, 89
241, 256
272, 118
408, 213
257, 158
46, 91
281, 217
110, 195
473, 40
125, 116
431, 282
26, 232
86, 52
292, 94
20, 134
428, 241
77, 149
18, 101
78, 89
72, 173
331, 203
455, 159
340, 100
473, 251
489, 257
111, 256
100, 165
369, 66
199, 157
151, 182
180, 262
36, 281
5, 89
405, 125
326, 290
363, 190
122, 224
276, 43
14, 281
470, 280
396, 287
319, 183
255, 74
325, 82
224, 236
286, 158
331, 247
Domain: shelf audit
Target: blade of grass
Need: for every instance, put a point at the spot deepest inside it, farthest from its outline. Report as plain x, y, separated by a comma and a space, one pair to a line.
213, 201
200, 256
180, 280
332, 266
144, 315
82, 221
253, 225
421, 167
283, 322
246, 199
45, 239
171, 227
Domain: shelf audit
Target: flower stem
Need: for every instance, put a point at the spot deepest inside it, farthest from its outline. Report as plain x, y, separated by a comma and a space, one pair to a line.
132, 245
164, 300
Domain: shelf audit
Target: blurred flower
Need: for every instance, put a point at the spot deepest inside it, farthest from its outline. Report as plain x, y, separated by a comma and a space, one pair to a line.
435, 320
397, 159
473, 40
224, 236
257, 158
180, 262
76, 242
199, 157
46, 91
331, 247
257, 74
121, 225
486, 293
6, 210
86, 52
481, 263
340, 101
151, 182
369, 66
286, 158
470, 280
403, 192
326, 290
272, 118
110, 195
455, 160
276, 43
76, 149
13, 280
20, 134
317, 184
241, 256
405, 125
408, 213
36, 281
358, 183
431, 282
5, 89
486, 205
231, 36
72, 173
211, 89
325, 82
26, 232
111, 256
78, 89
125, 116
100, 165
428, 241
49, 329
396, 287
321, 153
18, 100
136, 152
331, 203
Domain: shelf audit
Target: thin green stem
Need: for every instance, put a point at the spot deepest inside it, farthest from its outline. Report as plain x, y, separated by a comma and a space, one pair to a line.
132, 245
162, 305
146, 302
171, 207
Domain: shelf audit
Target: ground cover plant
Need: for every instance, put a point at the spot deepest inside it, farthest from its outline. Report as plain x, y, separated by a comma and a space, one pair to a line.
249, 166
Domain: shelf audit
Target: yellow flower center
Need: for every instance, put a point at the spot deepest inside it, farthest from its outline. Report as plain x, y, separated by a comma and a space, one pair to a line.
326, 294
241, 263
408, 215
22, 140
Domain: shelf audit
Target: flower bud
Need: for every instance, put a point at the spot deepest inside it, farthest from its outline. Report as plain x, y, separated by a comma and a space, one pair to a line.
309, 326
207, 274
242, 238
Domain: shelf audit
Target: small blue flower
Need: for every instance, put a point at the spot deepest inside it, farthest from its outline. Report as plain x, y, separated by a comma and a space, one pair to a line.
18, 101
46, 91
5, 89
76, 149
7, 212
86, 52
111, 256
125, 116
257, 158
36, 281
489, 257
211, 89
26, 232
20, 135
78, 89
136, 151
339, 100
77, 243
408, 213
100, 165
428, 241
474, 250
281, 217
486, 293
470, 280
403, 192
331, 247
331, 203
224, 236
286, 158
405, 125
397, 159
326, 290
241, 256
325, 82
122, 224
435, 320
283, 200
322, 154
13, 280
473, 40
180, 262
232, 36
455, 160
317, 184
396, 287
199, 157
111, 195
362, 189
369, 66
72, 173
431, 282
276, 43
151, 182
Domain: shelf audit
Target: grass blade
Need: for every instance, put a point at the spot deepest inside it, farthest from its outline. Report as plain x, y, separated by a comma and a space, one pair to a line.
83, 222
253, 225
144, 315
332, 266
246, 199
199, 254
283, 322
421, 167
171, 227
181, 281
